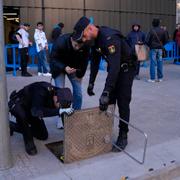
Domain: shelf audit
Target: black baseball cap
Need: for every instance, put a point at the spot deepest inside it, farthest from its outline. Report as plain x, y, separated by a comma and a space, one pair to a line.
26, 24
79, 28
64, 97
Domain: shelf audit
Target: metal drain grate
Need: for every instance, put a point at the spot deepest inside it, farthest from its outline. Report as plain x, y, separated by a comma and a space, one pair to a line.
57, 149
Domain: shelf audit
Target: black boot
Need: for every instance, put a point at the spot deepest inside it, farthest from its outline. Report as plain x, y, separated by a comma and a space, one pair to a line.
26, 74
29, 142
121, 142
30, 148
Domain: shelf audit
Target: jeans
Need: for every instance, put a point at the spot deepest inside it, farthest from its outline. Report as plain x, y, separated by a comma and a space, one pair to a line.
42, 62
77, 90
156, 59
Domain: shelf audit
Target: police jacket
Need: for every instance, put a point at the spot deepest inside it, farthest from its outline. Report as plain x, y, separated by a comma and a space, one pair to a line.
116, 51
63, 55
156, 38
38, 99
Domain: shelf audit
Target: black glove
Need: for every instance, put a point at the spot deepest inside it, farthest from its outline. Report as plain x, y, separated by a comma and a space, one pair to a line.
90, 90
104, 101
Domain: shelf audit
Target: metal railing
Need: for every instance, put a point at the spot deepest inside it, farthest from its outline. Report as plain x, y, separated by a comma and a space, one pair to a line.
141, 161
12, 56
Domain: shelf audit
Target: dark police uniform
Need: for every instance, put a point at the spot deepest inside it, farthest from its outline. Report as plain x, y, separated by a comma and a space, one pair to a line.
29, 106
121, 67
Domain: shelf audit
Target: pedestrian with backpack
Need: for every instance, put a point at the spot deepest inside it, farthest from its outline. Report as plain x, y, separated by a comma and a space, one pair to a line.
22, 36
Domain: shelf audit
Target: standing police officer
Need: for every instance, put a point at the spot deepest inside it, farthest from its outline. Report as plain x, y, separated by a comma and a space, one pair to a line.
31, 104
121, 67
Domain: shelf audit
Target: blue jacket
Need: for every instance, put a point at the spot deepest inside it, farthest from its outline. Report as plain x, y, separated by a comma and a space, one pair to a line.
134, 36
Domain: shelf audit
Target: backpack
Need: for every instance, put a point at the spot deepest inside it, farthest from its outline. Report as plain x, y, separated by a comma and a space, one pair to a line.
15, 38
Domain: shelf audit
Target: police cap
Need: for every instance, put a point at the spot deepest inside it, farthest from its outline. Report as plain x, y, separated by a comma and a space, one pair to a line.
79, 28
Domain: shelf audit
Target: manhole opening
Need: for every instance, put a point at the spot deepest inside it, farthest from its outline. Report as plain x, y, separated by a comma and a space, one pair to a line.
57, 149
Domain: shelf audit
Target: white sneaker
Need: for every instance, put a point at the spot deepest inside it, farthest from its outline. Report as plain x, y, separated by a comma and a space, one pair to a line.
40, 74
59, 124
159, 80
47, 74
151, 80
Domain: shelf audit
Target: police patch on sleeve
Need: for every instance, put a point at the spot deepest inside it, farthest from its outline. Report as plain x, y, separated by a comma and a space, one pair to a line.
111, 49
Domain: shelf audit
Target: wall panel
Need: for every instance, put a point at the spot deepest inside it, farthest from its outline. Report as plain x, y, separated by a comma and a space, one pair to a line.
119, 14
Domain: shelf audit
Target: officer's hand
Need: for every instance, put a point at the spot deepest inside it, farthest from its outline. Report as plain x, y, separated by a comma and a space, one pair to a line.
104, 101
90, 90
67, 111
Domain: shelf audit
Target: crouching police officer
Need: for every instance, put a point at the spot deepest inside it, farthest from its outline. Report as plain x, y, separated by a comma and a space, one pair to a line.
31, 104
121, 67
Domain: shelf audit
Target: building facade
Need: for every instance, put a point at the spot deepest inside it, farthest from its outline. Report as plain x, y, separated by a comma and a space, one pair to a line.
119, 14
178, 12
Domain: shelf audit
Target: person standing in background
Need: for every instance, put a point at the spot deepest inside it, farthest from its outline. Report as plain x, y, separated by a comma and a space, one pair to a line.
176, 38
22, 36
41, 46
155, 39
57, 31
136, 36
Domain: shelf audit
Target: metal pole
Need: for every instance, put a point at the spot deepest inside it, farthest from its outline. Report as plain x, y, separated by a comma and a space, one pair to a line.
5, 155
84, 7
43, 12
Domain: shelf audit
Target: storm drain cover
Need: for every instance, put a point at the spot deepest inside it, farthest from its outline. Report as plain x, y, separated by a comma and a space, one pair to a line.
87, 133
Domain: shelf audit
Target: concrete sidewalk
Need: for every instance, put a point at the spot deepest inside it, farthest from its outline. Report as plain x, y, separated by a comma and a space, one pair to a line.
154, 109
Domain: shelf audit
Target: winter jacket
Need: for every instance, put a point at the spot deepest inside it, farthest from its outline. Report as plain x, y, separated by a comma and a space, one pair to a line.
40, 39
156, 41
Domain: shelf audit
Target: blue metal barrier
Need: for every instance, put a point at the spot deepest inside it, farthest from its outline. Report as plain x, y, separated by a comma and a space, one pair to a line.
172, 51
102, 65
12, 56
13, 60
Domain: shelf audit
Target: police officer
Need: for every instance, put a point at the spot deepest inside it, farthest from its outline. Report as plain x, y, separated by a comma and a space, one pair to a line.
121, 67
31, 104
